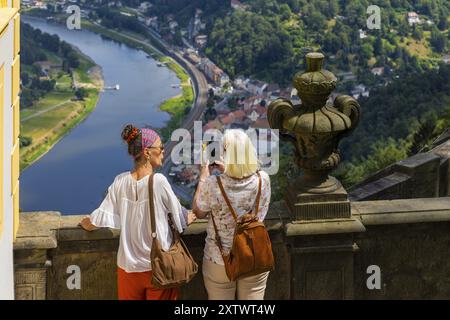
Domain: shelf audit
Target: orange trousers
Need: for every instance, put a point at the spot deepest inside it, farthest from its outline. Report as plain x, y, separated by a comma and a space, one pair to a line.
138, 286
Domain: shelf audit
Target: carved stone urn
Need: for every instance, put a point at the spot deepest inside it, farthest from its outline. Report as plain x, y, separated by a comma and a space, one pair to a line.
315, 127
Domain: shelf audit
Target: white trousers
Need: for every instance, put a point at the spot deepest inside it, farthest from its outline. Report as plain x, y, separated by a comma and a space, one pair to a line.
219, 287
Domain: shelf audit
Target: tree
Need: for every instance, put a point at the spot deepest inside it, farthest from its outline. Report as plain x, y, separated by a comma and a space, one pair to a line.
438, 40
81, 93
285, 12
443, 21
378, 46
73, 60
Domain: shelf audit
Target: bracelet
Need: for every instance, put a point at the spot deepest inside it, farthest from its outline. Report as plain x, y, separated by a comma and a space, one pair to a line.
202, 180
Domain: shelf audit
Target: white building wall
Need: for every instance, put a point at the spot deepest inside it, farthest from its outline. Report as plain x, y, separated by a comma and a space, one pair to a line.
6, 237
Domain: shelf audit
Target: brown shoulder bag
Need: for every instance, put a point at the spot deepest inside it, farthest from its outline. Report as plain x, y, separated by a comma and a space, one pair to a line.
174, 267
251, 252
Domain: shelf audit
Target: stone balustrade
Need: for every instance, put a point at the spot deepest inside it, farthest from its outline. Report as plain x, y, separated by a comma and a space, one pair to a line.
407, 239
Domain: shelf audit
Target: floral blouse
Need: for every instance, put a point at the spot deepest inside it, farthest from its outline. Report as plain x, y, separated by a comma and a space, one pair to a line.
242, 194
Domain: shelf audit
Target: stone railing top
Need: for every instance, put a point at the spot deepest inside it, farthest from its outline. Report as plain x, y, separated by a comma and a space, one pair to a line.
402, 211
38, 230
43, 230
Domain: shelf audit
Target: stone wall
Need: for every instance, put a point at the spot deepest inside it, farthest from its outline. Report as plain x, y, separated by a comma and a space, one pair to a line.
407, 239
424, 175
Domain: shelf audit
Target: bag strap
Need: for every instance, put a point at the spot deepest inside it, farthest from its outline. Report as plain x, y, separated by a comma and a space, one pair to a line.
218, 241
227, 200
152, 210
152, 206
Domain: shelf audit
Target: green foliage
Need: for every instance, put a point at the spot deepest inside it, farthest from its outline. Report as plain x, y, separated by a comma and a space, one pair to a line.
382, 154
81, 93
247, 43
25, 141
438, 40
395, 110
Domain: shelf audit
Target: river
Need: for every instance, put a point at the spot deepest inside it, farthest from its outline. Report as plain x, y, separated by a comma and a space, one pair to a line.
74, 175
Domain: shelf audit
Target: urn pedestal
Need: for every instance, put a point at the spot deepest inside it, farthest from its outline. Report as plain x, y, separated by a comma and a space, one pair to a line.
322, 226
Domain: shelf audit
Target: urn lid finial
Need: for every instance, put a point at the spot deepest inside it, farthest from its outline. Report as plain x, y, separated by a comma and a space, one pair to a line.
314, 61
315, 84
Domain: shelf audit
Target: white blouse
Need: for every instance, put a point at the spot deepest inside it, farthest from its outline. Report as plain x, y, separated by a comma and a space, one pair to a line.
242, 194
126, 207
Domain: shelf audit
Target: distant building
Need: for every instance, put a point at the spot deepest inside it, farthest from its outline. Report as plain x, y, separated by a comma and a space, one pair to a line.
240, 82
360, 90
144, 6
362, 34
377, 71
256, 87
413, 18
173, 25
272, 88
213, 72
446, 58
346, 76
201, 40
237, 5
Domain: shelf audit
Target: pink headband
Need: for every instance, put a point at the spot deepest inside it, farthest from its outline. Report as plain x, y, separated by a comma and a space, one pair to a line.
149, 137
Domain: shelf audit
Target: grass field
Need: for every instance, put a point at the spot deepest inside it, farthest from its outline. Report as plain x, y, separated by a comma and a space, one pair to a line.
58, 112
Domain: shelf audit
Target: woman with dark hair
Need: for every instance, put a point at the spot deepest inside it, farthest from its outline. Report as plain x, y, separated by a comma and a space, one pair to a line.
126, 207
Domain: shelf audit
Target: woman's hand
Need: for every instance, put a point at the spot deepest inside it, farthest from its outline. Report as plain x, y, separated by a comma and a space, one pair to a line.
219, 165
204, 171
87, 225
191, 217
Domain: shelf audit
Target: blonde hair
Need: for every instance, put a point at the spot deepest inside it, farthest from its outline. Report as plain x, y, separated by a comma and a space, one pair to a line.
240, 156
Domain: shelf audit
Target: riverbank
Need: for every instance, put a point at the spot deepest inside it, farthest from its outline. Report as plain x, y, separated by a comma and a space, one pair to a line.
58, 112
177, 106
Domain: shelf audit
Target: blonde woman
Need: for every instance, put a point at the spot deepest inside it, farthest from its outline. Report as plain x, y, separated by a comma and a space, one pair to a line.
240, 179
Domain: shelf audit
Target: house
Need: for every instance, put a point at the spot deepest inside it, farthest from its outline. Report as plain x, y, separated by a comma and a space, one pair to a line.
273, 87
237, 5
201, 40
446, 58
362, 34
360, 90
224, 79
261, 123
346, 76
47, 66
256, 87
239, 115
144, 6
413, 18
213, 72
173, 25
377, 71
213, 124
240, 82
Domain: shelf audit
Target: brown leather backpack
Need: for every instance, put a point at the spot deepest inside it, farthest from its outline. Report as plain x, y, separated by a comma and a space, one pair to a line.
251, 253
174, 267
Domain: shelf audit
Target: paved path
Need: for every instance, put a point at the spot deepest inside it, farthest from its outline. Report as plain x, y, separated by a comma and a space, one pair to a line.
37, 114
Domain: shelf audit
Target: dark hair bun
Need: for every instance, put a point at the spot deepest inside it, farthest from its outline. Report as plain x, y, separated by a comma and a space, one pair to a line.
127, 131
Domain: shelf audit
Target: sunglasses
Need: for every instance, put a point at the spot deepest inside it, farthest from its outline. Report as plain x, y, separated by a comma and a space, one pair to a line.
161, 147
